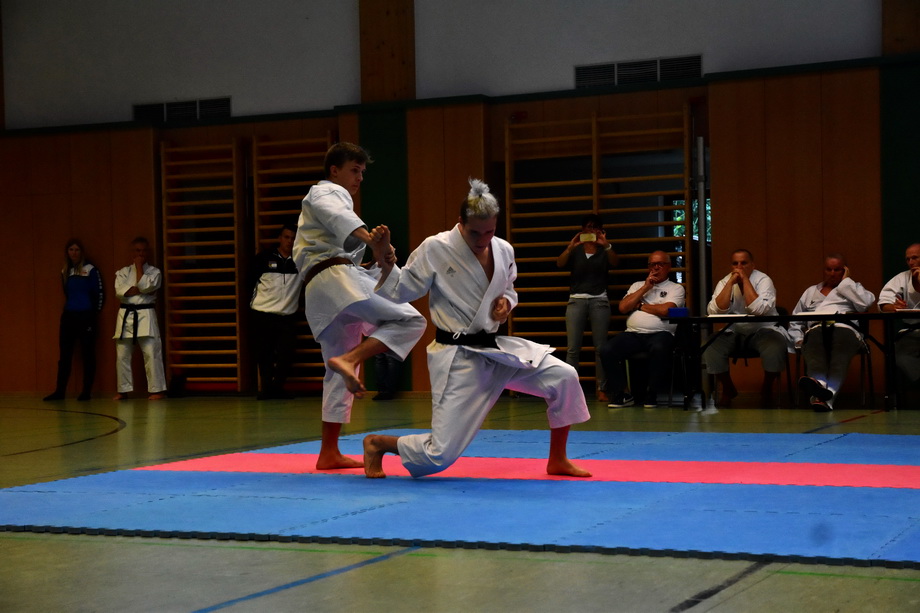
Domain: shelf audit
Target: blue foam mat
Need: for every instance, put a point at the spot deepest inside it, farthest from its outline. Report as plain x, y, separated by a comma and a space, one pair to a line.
855, 525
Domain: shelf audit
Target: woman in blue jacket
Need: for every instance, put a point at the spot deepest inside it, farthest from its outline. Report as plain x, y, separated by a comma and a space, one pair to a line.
83, 301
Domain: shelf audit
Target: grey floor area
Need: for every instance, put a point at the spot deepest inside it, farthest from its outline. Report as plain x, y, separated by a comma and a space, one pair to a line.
61, 572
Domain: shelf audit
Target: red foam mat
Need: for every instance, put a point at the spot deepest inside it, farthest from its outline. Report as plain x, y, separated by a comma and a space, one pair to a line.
653, 471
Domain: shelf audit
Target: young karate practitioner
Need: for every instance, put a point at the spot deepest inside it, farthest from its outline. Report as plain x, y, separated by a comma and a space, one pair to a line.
341, 305
469, 275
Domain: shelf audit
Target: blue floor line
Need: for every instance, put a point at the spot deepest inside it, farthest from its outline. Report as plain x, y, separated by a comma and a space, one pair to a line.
314, 578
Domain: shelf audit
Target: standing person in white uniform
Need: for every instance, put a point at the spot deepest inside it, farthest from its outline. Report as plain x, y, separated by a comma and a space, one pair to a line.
136, 287
341, 305
902, 292
469, 276
746, 291
828, 349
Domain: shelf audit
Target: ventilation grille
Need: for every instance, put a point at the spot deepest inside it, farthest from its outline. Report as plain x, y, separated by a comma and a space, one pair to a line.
641, 71
185, 112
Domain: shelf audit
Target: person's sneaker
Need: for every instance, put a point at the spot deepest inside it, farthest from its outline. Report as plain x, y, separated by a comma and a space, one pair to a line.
651, 400
84, 397
815, 388
820, 406
621, 400
54, 396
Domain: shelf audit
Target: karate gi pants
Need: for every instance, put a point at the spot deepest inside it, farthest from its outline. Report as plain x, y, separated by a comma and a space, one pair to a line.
829, 364
152, 348
473, 386
769, 343
398, 326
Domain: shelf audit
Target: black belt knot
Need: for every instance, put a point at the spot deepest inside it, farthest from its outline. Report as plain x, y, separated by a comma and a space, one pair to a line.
480, 339
132, 308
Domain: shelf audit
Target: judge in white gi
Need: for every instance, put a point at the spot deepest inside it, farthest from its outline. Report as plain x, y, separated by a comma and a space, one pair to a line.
341, 305
469, 276
746, 291
828, 348
136, 287
902, 293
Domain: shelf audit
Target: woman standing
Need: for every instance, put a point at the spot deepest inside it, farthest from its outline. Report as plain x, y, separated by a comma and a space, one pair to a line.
82, 302
589, 256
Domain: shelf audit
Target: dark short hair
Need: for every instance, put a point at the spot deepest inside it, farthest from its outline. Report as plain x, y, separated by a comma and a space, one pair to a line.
288, 226
340, 153
592, 218
750, 255
140, 240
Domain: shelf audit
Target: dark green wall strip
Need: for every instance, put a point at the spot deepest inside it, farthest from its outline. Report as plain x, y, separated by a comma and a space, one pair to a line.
900, 149
385, 191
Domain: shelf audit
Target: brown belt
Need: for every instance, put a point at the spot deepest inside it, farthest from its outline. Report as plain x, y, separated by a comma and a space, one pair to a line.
318, 268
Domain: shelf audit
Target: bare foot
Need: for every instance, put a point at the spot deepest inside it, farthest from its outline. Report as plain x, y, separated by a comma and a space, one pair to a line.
347, 370
336, 460
120, 396
157, 396
559, 467
373, 458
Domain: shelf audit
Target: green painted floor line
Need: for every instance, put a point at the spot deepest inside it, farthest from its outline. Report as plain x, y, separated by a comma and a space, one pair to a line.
845, 575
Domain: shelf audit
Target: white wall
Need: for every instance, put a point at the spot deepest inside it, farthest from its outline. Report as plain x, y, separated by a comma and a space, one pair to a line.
500, 47
88, 61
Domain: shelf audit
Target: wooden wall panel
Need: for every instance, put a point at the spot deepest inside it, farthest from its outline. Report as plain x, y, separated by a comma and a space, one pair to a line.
446, 146
14, 167
793, 208
53, 216
49, 164
387, 31
738, 170
22, 286
850, 173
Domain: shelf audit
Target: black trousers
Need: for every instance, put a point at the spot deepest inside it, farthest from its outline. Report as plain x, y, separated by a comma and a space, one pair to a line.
274, 341
77, 327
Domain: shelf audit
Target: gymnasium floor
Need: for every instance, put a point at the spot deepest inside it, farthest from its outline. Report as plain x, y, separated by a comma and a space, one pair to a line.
42, 571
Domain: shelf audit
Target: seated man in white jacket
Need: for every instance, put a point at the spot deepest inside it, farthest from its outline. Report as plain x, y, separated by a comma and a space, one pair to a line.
469, 276
828, 349
902, 293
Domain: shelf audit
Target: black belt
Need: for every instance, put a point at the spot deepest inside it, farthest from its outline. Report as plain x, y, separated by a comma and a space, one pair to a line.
480, 339
318, 268
132, 308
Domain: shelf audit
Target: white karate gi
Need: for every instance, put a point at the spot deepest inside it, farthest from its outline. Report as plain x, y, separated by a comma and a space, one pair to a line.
907, 347
340, 302
829, 365
466, 381
147, 331
771, 341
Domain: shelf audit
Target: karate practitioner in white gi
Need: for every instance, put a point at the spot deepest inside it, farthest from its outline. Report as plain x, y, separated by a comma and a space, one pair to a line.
828, 349
136, 287
469, 276
902, 293
341, 305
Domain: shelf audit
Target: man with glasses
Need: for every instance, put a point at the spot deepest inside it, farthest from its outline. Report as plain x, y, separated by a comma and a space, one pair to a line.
647, 303
746, 291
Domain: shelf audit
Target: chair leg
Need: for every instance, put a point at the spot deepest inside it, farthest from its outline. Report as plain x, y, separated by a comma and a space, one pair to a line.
789, 388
